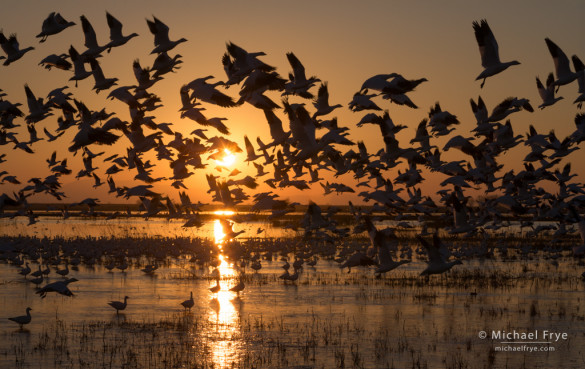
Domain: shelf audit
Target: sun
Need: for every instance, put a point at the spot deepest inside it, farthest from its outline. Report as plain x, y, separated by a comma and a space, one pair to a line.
228, 160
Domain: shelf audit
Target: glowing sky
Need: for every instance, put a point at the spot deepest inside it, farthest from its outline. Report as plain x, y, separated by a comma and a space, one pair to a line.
342, 42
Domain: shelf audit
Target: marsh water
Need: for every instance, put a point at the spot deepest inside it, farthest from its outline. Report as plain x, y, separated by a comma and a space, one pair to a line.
327, 318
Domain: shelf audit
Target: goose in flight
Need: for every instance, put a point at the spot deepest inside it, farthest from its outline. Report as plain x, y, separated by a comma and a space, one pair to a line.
357, 259
299, 84
101, 82
437, 254
93, 48
56, 61
547, 93
59, 287
79, 71
209, 93
160, 31
164, 64
508, 106
12, 49
580, 70
562, 65
118, 305
116, 36
37, 109
321, 103
52, 25
382, 240
239, 63
488, 49
23, 319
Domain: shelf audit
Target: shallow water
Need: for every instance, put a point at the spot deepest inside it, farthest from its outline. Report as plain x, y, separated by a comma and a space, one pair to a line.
328, 318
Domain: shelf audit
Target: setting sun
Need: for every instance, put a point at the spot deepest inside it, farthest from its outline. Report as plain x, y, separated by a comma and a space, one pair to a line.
227, 160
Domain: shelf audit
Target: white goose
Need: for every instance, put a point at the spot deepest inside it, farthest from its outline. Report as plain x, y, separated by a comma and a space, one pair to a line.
160, 31
188, 304
580, 70
562, 65
116, 36
79, 71
24, 271
238, 287
119, 305
38, 110
209, 93
59, 287
321, 103
437, 263
12, 49
23, 319
382, 240
299, 83
547, 93
53, 24
101, 82
488, 49
93, 48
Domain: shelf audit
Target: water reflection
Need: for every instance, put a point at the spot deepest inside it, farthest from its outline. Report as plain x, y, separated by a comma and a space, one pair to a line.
225, 342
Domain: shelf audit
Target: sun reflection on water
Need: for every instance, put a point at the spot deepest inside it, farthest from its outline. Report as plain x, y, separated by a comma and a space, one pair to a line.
225, 309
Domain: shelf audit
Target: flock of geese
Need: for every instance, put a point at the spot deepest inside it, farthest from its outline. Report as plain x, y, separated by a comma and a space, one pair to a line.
294, 157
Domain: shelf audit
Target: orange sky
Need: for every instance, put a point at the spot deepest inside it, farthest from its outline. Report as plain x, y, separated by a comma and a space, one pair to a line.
340, 42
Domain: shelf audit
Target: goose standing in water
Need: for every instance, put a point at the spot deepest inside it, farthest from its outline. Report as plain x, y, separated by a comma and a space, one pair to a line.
437, 263
188, 304
215, 289
119, 305
24, 271
23, 319
488, 49
238, 287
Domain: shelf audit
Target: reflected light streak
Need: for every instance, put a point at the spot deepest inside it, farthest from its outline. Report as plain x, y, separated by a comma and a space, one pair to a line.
227, 348
224, 212
218, 233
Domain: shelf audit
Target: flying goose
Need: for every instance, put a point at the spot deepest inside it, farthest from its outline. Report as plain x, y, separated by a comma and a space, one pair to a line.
12, 49
53, 24
488, 49
116, 36
160, 31
436, 252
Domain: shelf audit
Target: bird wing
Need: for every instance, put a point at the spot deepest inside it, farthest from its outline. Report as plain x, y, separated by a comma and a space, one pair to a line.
488, 46
297, 66
115, 27
541, 90
560, 59
88, 31
432, 250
